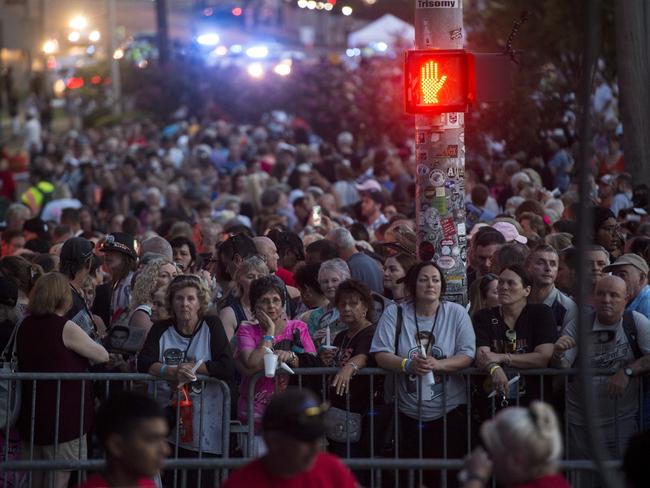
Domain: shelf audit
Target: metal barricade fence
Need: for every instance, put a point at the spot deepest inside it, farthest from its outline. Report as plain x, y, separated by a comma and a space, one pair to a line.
386, 467
553, 386
100, 386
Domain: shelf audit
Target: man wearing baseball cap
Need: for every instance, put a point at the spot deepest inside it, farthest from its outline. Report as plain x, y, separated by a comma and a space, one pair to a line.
293, 426
633, 269
76, 261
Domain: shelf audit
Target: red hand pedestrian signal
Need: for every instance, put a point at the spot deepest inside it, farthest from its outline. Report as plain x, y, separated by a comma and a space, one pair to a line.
430, 83
438, 81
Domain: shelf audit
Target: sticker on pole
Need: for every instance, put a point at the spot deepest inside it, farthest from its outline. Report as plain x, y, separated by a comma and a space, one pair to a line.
438, 3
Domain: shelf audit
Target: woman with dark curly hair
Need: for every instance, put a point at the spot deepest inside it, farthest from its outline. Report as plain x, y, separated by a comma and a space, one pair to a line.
354, 302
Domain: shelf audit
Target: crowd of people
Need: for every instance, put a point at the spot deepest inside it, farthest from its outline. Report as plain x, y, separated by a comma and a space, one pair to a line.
200, 247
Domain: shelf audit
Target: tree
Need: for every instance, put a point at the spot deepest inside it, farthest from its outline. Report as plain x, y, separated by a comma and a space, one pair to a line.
547, 78
632, 36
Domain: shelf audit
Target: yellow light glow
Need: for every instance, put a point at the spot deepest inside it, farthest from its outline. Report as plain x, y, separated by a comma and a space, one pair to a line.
118, 54
347, 11
94, 36
59, 87
283, 69
74, 36
255, 70
79, 22
50, 46
430, 83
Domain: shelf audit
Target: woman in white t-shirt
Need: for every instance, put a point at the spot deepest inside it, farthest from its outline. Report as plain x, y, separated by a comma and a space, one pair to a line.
435, 337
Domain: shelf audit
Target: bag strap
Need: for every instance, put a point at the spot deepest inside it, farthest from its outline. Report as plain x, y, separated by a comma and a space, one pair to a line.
629, 327
398, 327
11, 343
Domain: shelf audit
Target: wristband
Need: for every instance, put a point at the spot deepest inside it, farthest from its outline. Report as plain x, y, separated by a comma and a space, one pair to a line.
404, 361
466, 476
354, 365
268, 338
494, 368
162, 370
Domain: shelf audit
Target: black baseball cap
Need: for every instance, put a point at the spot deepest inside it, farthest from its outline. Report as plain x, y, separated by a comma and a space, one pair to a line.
77, 250
37, 226
296, 413
377, 196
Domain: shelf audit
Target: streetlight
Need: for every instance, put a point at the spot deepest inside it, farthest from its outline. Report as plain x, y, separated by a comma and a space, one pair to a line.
78, 22
50, 46
347, 11
208, 39
94, 36
255, 70
74, 36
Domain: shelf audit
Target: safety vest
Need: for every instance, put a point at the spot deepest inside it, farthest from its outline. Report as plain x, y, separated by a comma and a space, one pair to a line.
37, 196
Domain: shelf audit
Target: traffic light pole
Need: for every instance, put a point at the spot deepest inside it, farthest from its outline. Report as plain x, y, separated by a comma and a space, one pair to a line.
440, 157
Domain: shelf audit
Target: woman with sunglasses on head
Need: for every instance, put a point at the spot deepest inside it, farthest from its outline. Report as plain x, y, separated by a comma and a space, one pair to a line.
483, 293
187, 344
515, 334
423, 339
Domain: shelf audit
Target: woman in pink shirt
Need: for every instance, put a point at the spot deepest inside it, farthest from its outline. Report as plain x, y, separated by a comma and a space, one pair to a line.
289, 339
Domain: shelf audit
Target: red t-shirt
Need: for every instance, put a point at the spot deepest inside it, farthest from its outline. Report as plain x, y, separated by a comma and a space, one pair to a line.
97, 481
550, 481
286, 276
328, 472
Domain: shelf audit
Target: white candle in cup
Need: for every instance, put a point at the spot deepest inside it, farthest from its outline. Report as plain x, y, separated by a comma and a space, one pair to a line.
328, 337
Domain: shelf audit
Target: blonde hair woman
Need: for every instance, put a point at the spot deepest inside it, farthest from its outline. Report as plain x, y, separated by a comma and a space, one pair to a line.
236, 306
173, 348
48, 342
524, 447
147, 282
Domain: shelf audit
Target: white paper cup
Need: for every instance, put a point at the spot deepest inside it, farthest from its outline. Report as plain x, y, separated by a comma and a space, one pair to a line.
270, 365
428, 379
329, 348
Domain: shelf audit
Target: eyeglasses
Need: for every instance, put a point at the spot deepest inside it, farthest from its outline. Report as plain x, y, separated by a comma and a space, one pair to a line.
270, 301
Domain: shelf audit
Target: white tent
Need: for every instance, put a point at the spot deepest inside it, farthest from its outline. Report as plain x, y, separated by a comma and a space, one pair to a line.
385, 29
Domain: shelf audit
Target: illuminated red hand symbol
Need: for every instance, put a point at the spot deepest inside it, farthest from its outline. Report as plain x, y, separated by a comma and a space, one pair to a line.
430, 83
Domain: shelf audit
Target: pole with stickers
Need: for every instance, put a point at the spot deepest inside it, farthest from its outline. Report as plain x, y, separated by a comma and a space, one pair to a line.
439, 87
436, 93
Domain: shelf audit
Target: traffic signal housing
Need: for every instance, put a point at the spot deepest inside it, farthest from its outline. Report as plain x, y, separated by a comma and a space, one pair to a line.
437, 81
